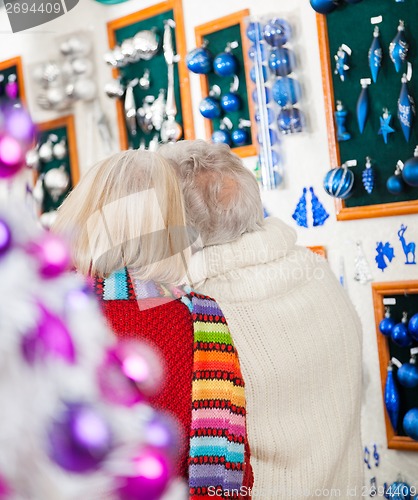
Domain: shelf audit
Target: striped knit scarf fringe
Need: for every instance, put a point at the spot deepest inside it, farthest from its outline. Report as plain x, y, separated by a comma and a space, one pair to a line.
218, 427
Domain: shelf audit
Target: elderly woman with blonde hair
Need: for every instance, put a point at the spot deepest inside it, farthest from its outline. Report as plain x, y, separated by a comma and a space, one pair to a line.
126, 224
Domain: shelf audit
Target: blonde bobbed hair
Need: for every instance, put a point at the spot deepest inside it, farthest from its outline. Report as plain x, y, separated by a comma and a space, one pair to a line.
127, 211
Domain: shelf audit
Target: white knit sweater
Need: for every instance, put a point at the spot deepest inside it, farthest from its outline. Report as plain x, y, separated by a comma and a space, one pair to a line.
299, 342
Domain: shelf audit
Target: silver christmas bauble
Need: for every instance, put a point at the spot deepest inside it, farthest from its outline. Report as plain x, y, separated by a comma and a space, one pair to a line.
85, 89
45, 152
32, 159
48, 218
146, 44
55, 95
82, 66
77, 45
59, 150
56, 182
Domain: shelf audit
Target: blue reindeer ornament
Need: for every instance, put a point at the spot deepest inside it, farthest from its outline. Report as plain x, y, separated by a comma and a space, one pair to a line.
408, 248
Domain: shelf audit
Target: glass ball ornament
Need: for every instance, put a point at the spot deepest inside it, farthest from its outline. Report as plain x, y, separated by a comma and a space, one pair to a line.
410, 423
277, 32
85, 89
254, 31
275, 158
386, 325
230, 102
18, 124
270, 115
163, 432
338, 182
286, 91
239, 137
79, 438
225, 64
221, 137
209, 108
267, 95
410, 170
400, 335
253, 54
413, 327
290, 121
150, 474
408, 375
12, 156
5, 237
51, 255
199, 61
253, 74
272, 137
281, 61
324, 6
395, 184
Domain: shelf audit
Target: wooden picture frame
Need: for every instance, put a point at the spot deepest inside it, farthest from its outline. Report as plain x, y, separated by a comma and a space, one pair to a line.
379, 292
212, 27
186, 103
319, 249
344, 212
17, 63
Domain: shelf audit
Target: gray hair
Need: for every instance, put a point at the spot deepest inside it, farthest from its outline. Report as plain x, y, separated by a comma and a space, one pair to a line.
222, 196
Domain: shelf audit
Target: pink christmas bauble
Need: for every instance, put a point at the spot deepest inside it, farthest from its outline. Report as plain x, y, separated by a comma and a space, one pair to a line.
12, 156
52, 255
5, 237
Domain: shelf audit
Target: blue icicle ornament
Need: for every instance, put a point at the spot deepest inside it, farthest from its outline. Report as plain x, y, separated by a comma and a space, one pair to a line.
398, 48
340, 119
300, 215
368, 176
341, 61
392, 399
385, 128
406, 109
363, 104
319, 214
375, 54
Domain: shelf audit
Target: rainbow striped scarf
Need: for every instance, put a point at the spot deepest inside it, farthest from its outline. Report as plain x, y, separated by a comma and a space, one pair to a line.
218, 427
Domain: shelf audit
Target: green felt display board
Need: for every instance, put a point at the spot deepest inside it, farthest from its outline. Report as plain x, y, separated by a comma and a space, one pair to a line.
408, 397
11, 70
61, 132
157, 67
350, 24
217, 43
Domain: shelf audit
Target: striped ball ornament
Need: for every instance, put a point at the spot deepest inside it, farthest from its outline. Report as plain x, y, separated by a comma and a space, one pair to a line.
338, 182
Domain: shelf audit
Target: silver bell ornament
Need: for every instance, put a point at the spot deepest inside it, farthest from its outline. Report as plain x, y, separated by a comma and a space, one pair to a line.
56, 182
32, 159
59, 150
147, 44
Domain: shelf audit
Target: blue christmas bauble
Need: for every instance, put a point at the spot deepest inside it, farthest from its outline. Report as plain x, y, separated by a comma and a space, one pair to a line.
272, 137
267, 93
264, 75
281, 61
230, 102
410, 423
323, 6
275, 158
386, 326
269, 116
199, 61
209, 108
413, 326
338, 182
225, 64
254, 32
221, 136
252, 52
277, 32
410, 171
286, 91
408, 375
239, 137
400, 335
395, 184
290, 121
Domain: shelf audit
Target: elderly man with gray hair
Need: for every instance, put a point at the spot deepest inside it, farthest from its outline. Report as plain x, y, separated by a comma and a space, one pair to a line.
296, 332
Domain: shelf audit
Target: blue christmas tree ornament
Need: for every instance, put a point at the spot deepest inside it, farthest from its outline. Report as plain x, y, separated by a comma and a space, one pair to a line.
225, 63
230, 102
286, 91
398, 48
199, 60
340, 119
387, 324
413, 326
406, 109
363, 104
341, 61
281, 61
239, 137
254, 31
209, 108
221, 136
267, 95
290, 121
385, 128
400, 333
410, 424
375, 54
368, 176
255, 52
272, 137
408, 374
395, 184
319, 214
300, 215
277, 32
263, 76
392, 399
324, 6
338, 182
269, 115
410, 170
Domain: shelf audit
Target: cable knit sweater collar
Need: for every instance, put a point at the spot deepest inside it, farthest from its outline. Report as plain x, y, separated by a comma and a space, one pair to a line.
240, 260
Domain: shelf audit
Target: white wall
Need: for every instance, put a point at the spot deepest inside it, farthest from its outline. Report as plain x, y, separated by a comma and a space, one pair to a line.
306, 163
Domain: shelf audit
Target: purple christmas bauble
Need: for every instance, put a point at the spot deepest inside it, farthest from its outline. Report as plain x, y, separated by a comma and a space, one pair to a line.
281, 61
286, 91
79, 438
400, 335
149, 477
290, 121
324, 6
199, 61
221, 136
254, 32
386, 326
413, 326
239, 137
19, 125
410, 423
230, 102
277, 32
408, 375
164, 433
5, 237
52, 255
225, 64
